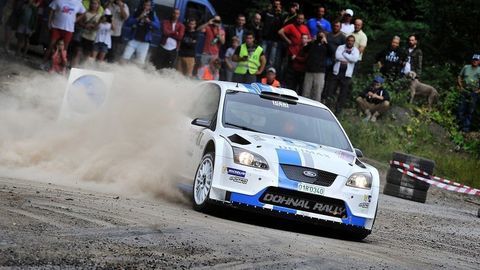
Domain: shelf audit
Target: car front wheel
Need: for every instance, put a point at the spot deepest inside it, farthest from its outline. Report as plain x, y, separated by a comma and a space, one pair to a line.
203, 182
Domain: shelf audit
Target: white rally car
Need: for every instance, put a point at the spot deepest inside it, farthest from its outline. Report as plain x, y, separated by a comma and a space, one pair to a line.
270, 150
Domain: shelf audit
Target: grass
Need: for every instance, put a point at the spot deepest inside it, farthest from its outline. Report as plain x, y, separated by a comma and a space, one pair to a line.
379, 140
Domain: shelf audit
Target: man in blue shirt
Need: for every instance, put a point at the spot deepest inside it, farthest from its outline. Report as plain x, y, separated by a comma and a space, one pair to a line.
319, 24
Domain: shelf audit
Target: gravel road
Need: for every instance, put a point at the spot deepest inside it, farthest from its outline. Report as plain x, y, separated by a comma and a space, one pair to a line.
46, 225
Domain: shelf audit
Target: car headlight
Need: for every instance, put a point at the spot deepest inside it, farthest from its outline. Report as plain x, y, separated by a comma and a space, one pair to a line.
360, 180
247, 158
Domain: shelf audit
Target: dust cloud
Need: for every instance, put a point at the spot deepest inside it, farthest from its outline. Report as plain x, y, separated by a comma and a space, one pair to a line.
134, 144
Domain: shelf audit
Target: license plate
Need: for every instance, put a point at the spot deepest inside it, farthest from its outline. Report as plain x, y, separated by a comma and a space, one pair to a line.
312, 189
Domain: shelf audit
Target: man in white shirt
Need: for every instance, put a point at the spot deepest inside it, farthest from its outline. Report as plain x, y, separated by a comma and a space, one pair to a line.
347, 26
61, 21
120, 13
345, 58
172, 34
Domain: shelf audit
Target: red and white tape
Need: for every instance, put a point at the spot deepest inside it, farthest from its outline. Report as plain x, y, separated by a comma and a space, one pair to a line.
410, 167
442, 183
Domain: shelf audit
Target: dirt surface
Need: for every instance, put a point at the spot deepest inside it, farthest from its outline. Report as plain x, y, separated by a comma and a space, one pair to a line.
46, 225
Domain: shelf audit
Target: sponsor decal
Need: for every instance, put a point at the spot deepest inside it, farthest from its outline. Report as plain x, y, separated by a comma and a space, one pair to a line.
280, 104
363, 204
310, 174
236, 172
304, 205
367, 198
239, 180
313, 189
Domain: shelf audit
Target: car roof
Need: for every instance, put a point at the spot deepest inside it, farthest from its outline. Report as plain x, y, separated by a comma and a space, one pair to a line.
258, 88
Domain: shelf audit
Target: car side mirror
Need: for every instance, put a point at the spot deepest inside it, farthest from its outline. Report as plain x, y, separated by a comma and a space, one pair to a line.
358, 152
202, 122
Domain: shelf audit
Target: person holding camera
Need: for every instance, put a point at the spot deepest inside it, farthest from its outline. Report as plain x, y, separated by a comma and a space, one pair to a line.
251, 60
120, 14
142, 22
214, 39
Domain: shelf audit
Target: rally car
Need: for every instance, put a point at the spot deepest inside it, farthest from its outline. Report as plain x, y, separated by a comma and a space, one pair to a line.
267, 149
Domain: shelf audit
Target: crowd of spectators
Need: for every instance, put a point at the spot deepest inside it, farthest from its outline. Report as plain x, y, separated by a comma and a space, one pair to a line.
316, 57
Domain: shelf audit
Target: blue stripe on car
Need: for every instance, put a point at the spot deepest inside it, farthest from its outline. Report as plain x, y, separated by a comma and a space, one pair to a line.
287, 157
263, 87
250, 88
353, 220
253, 200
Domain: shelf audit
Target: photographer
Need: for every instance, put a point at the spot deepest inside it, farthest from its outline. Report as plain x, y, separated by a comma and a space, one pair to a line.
214, 39
142, 22
120, 13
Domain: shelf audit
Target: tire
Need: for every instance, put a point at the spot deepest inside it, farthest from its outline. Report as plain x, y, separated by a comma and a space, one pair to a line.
405, 193
423, 164
358, 234
397, 178
202, 183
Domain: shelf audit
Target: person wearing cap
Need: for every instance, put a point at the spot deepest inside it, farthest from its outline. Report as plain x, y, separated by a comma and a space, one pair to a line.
468, 81
251, 60
270, 79
347, 26
374, 100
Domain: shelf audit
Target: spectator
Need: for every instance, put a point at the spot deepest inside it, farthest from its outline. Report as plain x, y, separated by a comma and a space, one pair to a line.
271, 78
345, 58
59, 58
347, 26
292, 34
88, 30
251, 60
374, 100
144, 21
27, 20
319, 24
296, 68
186, 54
272, 44
392, 59
469, 86
414, 57
291, 17
172, 35
360, 38
103, 37
334, 39
62, 18
315, 68
211, 71
256, 26
238, 30
214, 39
120, 13
229, 63
12, 24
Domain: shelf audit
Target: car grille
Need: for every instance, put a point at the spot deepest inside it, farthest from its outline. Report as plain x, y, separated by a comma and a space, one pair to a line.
304, 201
322, 178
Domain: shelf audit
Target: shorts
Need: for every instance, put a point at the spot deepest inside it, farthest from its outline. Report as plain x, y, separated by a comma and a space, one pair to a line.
56, 34
139, 48
100, 47
87, 45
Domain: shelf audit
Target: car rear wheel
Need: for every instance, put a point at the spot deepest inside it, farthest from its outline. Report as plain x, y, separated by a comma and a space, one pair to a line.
203, 183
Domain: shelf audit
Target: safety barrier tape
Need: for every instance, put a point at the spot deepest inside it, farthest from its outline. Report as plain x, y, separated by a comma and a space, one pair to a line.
438, 182
410, 167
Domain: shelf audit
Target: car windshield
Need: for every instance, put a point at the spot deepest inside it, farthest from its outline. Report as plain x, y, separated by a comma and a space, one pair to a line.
296, 121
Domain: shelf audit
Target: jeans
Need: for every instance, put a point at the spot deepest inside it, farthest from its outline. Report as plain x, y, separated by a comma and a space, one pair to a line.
466, 108
139, 48
272, 51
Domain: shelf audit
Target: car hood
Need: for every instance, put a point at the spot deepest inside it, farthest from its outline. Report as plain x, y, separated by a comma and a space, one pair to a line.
282, 150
